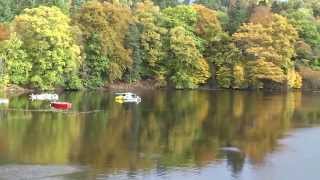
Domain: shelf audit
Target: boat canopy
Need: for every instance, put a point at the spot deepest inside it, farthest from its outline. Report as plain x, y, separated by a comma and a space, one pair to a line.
125, 94
45, 96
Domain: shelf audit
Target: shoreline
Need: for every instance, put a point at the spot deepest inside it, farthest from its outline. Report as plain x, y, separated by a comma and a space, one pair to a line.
143, 86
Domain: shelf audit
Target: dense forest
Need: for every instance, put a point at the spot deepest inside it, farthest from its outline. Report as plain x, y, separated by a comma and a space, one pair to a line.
239, 44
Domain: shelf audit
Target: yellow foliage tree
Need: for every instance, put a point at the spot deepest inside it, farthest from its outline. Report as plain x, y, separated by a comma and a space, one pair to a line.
268, 47
188, 68
264, 70
238, 76
208, 25
294, 79
47, 38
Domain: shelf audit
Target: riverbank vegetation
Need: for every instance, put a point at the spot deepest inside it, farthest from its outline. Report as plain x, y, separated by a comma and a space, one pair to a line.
74, 44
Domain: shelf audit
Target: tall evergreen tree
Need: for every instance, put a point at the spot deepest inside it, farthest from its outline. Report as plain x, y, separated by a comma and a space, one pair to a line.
237, 15
133, 43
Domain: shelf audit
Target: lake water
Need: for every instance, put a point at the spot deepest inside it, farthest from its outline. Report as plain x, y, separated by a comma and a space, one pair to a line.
175, 135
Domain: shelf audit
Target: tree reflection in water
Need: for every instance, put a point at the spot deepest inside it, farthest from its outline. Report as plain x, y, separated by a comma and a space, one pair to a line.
168, 129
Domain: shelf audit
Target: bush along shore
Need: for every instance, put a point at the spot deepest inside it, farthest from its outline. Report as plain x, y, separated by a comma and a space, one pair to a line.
89, 44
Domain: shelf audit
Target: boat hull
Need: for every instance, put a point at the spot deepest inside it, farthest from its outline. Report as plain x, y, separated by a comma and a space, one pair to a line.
128, 100
61, 105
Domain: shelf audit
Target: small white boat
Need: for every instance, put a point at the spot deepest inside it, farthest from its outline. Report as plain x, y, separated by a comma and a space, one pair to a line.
231, 149
127, 98
4, 101
46, 96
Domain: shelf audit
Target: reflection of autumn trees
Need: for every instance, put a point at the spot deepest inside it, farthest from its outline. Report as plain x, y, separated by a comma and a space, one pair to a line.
178, 128
136, 137
38, 138
268, 117
308, 114
184, 128
181, 125
251, 121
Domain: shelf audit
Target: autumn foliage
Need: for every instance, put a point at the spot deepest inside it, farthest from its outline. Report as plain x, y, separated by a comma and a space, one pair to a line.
268, 48
4, 34
234, 44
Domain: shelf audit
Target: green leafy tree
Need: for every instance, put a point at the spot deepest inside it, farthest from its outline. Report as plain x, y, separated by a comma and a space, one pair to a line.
186, 17
280, 7
214, 4
151, 40
224, 76
237, 15
133, 43
96, 64
75, 5
7, 11
181, 15
187, 67
9, 8
315, 6
110, 23
166, 3
218, 49
47, 39
305, 24
227, 63
15, 60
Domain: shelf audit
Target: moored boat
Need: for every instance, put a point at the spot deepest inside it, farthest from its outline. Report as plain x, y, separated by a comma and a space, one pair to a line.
4, 101
61, 105
127, 98
45, 96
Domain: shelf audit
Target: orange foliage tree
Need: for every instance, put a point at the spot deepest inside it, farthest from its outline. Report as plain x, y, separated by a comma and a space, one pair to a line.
4, 34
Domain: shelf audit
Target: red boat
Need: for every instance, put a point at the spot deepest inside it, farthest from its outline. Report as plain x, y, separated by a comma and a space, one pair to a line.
61, 105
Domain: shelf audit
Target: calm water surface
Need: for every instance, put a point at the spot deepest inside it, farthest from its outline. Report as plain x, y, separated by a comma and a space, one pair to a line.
170, 135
